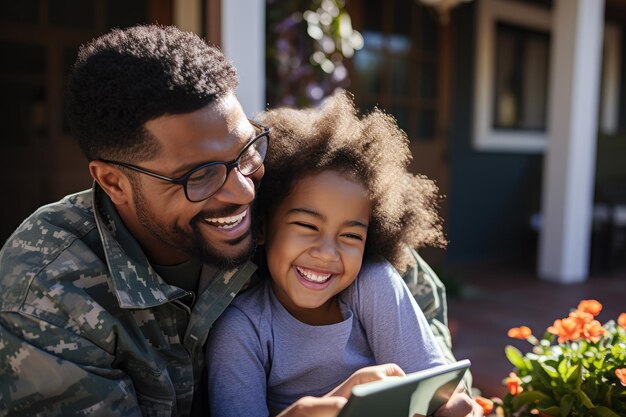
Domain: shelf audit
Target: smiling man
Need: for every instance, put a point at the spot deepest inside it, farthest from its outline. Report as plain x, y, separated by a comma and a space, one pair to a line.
107, 296
210, 220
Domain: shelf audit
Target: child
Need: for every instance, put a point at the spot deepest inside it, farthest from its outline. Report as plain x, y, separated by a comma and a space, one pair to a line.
336, 191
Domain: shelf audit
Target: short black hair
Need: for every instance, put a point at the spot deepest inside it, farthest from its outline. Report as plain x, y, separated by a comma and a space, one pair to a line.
129, 76
371, 149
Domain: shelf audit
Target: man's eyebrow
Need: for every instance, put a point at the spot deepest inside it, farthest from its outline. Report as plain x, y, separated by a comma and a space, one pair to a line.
350, 223
188, 167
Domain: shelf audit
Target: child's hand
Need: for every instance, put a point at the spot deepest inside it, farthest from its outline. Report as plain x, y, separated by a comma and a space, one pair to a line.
315, 407
364, 375
331, 403
460, 405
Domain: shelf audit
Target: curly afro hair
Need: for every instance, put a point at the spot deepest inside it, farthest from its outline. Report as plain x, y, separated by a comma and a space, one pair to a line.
372, 150
127, 77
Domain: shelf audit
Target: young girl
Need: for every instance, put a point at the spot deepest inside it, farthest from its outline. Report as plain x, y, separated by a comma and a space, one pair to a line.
336, 191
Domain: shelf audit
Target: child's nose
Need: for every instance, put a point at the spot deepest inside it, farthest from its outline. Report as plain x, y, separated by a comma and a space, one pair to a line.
326, 249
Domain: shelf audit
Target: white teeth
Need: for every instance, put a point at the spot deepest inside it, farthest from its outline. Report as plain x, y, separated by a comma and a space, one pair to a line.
227, 222
312, 276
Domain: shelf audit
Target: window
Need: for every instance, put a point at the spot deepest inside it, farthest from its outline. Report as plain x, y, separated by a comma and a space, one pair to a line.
397, 69
511, 96
610, 87
520, 99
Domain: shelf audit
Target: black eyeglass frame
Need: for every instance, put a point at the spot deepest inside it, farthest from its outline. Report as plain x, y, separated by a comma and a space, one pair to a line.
182, 180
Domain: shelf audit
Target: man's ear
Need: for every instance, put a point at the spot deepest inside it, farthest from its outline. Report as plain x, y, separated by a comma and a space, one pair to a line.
112, 180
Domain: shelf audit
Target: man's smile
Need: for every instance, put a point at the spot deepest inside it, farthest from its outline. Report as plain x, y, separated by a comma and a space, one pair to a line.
226, 228
227, 222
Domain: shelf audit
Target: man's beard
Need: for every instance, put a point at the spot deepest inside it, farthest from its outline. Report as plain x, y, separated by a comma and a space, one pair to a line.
195, 244
203, 250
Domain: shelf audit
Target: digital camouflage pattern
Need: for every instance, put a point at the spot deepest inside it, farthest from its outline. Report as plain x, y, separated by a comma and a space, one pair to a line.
430, 294
87, 329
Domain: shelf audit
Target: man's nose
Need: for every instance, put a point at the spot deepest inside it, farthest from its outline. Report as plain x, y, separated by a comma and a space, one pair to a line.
238, 189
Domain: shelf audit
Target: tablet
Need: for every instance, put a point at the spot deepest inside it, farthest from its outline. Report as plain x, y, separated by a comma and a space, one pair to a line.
420, 393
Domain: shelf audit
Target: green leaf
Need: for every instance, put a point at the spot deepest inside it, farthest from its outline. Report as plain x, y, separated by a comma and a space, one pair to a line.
515, 357
591, 387
541, 380
598, 363
549, 370
584, 399
527, 397
566, 405
563, 367
602, 411
573, 375
552, 411
617, 351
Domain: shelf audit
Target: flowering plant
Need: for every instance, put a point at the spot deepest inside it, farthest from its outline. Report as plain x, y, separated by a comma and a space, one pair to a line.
582, 374
307, 46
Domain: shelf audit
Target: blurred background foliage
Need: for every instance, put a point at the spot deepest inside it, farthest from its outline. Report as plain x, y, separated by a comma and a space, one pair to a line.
308, 42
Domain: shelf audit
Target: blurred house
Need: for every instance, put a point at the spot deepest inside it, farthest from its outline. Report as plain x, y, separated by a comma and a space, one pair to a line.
39, 39
505, 103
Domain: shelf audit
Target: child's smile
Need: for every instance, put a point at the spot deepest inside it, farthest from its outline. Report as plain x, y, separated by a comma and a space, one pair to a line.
315, 242
312, 279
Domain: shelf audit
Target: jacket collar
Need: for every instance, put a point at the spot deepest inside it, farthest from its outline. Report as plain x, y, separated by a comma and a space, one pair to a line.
136, 284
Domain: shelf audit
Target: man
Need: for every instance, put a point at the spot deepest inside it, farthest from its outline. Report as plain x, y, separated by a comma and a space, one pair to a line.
107, 296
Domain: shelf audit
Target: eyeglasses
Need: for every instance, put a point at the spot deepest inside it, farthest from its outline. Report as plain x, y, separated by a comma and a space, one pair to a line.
205, 180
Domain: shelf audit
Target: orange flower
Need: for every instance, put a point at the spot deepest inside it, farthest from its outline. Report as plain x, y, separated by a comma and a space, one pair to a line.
592, 331
621, 374
486, 404
581, 317
590, 306
513, 384
522, 332
621, 320
566, 329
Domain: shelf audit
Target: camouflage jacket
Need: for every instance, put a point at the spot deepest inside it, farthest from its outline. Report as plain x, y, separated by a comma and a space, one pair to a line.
430, 294
86, 329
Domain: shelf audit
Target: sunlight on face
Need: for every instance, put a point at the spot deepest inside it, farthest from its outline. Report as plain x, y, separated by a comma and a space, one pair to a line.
216, 230
315, 242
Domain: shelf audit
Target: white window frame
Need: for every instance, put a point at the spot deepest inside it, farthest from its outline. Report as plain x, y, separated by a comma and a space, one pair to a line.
489, 12
611, 77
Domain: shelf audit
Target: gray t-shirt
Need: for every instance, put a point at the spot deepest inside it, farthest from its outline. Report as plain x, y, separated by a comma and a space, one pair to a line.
261, 359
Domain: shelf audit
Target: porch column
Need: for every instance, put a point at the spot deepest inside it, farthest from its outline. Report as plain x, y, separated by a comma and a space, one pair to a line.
569, 163
243, 42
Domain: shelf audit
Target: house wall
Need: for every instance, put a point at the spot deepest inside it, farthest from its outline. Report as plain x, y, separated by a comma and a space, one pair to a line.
491, 195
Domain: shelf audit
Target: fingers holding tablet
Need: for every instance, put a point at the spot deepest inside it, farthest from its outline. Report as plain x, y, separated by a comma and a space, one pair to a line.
365, 375
460, 405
